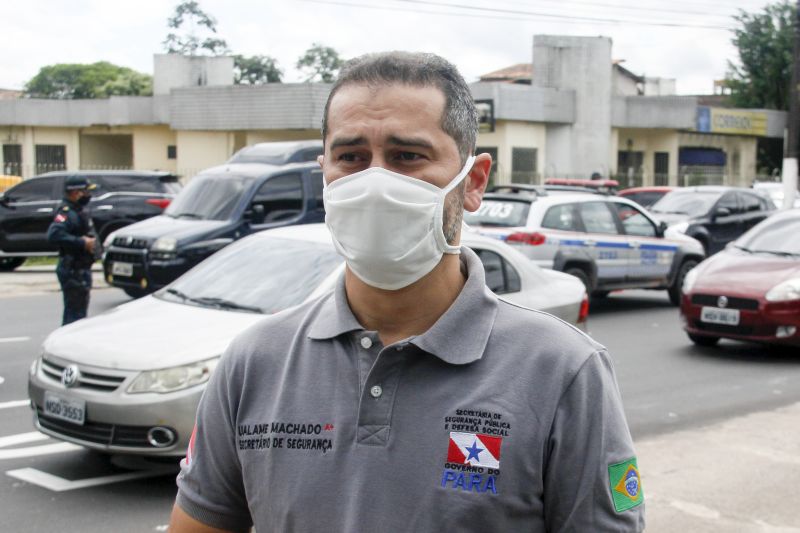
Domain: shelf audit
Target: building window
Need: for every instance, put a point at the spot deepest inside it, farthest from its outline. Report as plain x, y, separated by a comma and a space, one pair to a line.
492, 151
12, 159
661, 168
523, 165
172, 152
50, 157
629, 168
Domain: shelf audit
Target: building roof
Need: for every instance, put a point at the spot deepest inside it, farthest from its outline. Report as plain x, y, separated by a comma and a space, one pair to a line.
10, 94
519, 73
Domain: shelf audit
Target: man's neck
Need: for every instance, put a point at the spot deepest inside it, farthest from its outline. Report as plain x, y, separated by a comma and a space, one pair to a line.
412, 310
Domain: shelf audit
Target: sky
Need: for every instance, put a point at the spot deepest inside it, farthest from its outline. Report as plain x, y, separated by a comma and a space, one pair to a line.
689, 40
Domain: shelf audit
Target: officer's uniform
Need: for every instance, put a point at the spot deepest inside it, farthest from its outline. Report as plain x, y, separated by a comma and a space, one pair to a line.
498, 418
69, 227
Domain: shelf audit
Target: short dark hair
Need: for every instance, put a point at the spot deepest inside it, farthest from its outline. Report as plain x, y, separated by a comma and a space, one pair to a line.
459, 118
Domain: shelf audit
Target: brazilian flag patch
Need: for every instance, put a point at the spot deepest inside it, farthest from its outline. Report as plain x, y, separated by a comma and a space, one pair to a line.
625, 484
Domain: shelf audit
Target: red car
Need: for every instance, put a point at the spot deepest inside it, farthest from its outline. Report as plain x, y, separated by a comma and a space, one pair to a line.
751, 290
645, 196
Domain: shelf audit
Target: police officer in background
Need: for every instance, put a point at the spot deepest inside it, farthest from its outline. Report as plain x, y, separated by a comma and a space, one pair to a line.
72, 230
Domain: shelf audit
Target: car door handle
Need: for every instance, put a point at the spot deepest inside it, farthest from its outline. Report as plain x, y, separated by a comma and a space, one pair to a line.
103, 208
589, 242
45, 210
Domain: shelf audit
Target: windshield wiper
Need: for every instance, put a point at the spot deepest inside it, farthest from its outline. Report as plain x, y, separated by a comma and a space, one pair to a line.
776, 252
190, 215
671, 212
743, 248
227, 304
182, 295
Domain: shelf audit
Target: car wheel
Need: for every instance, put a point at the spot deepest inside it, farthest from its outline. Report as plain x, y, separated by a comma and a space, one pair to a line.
675, 290
7, 264
703, 340
135, 293
581, 275
600, 294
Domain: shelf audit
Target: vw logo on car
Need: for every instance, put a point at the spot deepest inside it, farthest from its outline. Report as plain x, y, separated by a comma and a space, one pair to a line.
70, 376
722, 301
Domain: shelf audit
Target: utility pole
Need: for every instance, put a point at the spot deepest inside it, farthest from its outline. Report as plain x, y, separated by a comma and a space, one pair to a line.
789, 174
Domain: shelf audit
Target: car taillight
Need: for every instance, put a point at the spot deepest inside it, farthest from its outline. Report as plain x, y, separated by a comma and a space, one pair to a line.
533, 239
583, 314
158, 202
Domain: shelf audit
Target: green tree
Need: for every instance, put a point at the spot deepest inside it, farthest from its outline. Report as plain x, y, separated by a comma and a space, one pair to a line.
185, 24
255, 70
762, 76
320, 63
96, 80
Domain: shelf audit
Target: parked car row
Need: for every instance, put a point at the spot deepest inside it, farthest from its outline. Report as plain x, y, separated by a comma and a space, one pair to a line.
139, 396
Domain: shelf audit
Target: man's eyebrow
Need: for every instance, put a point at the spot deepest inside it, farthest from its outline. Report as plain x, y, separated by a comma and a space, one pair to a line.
418, 142
348, 141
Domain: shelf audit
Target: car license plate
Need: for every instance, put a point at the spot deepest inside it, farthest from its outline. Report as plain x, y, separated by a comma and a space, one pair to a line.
122, 269
715, 315
64, 408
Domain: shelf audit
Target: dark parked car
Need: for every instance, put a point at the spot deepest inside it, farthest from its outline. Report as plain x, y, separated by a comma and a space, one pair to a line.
645, 196
121, 198
218, 206
713, 215
751, 290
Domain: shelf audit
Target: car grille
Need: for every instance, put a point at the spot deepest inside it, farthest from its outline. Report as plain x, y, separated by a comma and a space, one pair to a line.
123, 242
733, 302
123, 257
97, 432
88, 380
720, 328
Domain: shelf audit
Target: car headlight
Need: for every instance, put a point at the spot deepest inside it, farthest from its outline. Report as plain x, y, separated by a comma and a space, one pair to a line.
689, 280
165, 244
34, 366
109, 240
782, 292
175, 378
679, 227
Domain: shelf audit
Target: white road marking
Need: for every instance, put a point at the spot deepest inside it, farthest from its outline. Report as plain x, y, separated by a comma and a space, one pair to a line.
2, 380
33, 451
59, 484
15, 403
14, 339
22, 438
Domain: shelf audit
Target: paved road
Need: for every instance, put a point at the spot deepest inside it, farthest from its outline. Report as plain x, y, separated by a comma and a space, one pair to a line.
672, 392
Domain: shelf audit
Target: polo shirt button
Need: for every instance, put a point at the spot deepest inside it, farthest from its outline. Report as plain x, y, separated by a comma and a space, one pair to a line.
366, 343
376, 391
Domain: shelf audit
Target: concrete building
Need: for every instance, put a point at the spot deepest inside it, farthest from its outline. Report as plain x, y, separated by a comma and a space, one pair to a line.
570, 112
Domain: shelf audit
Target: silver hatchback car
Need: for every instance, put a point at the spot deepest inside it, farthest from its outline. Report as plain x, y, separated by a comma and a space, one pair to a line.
129, 380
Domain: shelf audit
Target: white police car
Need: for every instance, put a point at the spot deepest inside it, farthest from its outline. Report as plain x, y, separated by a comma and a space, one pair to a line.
607, 242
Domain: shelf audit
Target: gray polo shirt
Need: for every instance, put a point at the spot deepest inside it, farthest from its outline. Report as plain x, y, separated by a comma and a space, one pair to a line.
498, 418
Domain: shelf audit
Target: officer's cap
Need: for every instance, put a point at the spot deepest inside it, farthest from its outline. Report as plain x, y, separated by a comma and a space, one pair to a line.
78, 183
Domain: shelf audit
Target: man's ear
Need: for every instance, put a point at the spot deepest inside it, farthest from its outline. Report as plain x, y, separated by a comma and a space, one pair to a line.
477, 179
320, 160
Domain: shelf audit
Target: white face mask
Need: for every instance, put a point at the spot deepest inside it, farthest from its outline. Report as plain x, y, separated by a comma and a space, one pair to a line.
388, 226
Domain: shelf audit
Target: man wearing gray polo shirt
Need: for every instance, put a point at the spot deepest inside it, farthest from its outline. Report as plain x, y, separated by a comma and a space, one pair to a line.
411, 398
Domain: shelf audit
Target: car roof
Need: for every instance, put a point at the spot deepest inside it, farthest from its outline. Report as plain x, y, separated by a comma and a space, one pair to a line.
632, 190
254, 170
136, 173
574, 196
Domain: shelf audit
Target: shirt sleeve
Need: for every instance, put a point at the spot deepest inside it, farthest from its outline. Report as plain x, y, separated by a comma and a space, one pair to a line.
60, 233
591, 478
210, 484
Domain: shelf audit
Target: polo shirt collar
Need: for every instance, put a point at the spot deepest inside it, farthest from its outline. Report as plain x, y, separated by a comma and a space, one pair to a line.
458, 337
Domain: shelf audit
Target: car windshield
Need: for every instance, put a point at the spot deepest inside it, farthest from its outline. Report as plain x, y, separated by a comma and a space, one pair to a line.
779, 236
263, 275
692, 203
209, 198
496, 212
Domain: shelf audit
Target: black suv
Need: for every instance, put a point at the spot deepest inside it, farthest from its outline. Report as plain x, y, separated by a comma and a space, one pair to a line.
714, 215
218, 206
122, 197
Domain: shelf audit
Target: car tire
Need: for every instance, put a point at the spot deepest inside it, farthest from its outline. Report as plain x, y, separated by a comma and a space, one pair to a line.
135, 293
674, 290
7, 264
600, 294
581, 275
703, 340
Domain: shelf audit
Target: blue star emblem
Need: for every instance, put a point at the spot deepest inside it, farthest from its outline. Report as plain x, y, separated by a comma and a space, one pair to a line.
474, 451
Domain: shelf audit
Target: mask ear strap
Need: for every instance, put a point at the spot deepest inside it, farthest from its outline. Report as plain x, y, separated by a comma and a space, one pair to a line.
461, 175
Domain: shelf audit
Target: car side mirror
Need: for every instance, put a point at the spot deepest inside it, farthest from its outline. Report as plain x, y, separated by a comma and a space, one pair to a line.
721, 212
662, 228
5, 200
256, 214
